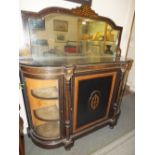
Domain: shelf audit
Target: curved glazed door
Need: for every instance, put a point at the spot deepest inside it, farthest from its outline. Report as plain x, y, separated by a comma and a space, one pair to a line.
43, 100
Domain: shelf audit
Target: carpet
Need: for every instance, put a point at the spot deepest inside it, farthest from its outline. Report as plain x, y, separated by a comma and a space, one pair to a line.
102, 138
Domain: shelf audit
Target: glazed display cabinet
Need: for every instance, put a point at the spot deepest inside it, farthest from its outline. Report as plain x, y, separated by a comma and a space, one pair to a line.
72, 74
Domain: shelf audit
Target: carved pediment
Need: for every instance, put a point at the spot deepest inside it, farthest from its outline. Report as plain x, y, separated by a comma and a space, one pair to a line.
85, 11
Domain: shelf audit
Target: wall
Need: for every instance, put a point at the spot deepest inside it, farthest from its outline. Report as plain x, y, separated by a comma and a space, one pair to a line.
120, 11
131, 54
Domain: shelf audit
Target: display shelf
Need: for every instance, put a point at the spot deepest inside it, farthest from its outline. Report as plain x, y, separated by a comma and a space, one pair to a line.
48, 130
44, 110
45, 93
50, 113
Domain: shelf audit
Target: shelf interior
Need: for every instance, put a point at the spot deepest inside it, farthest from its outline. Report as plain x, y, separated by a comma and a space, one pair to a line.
45, 93
49, 130
50, 113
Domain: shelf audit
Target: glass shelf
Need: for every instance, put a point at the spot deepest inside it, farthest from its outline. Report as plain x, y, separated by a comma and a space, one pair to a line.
49, 130
50, 113
45, 93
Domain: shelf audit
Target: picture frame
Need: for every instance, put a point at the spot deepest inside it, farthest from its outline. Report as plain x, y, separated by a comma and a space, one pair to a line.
60, 37
60, 25
88, 2
39, 42
38, 24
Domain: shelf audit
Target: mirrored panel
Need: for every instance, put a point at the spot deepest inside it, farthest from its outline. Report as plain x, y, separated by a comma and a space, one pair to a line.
63, 36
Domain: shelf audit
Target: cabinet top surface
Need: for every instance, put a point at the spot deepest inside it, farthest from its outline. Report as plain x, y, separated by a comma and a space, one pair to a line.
71, 62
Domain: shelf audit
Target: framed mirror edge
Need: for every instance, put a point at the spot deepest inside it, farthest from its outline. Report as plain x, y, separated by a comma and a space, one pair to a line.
83, 11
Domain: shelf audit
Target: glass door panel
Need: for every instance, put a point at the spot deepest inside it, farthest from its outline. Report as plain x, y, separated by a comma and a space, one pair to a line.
43, 96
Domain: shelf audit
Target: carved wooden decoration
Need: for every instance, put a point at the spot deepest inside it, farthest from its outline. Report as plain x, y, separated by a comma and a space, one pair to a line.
85, 11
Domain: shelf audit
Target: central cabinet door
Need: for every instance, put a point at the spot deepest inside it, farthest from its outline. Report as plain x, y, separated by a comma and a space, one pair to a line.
92, 98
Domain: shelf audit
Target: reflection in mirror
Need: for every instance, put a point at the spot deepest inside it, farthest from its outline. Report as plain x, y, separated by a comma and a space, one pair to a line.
59, 36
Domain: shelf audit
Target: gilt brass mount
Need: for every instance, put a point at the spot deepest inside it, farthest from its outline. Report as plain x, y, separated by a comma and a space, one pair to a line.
94, 100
